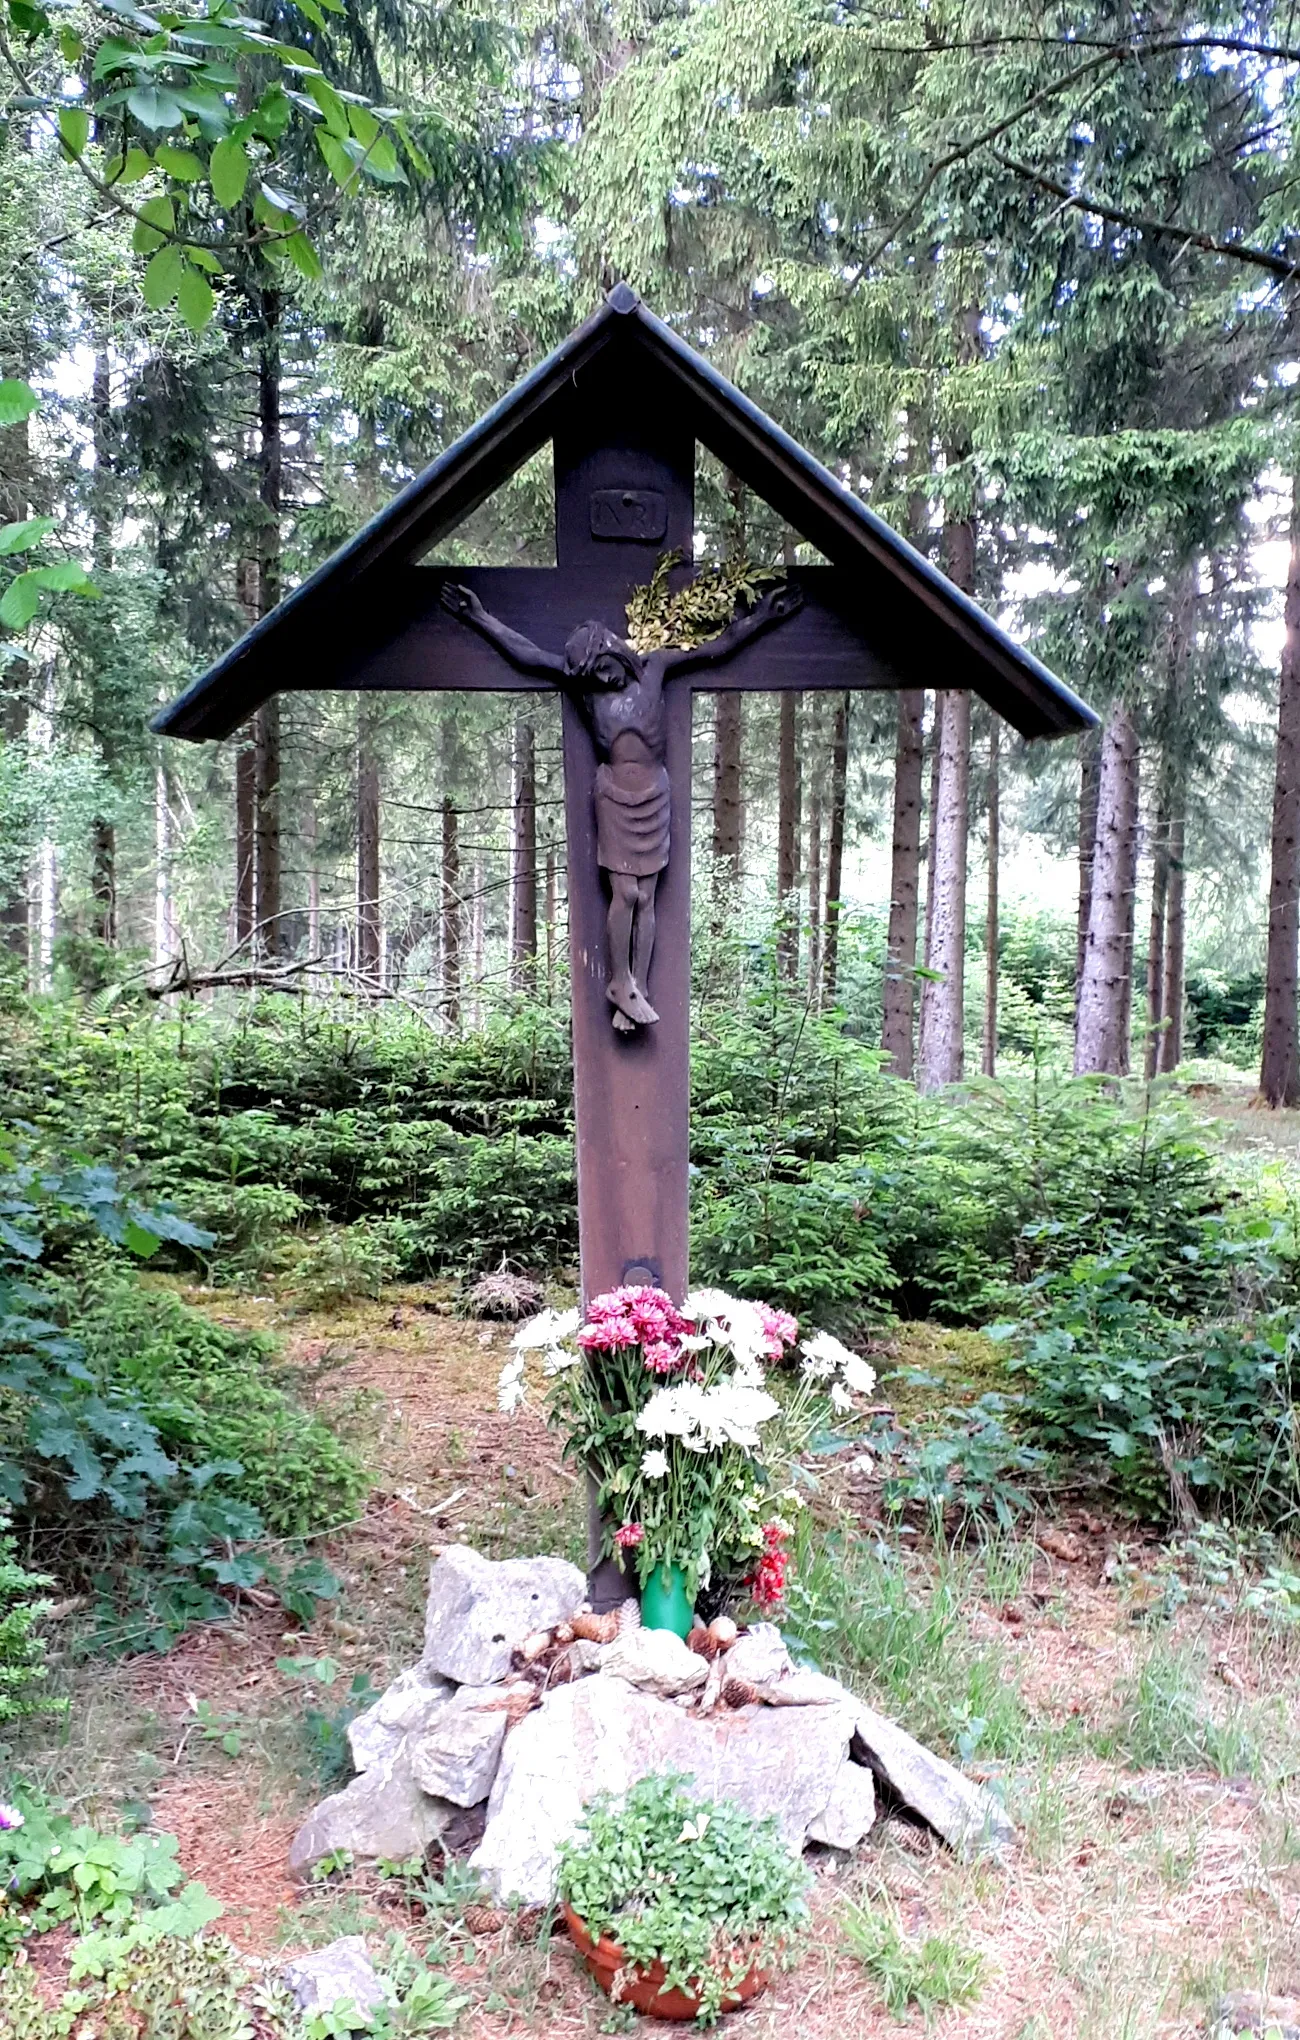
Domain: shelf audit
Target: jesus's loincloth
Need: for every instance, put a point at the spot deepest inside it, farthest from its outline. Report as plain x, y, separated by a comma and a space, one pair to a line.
633, 807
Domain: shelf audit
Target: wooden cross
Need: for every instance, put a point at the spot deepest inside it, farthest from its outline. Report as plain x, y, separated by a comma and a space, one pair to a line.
624, 402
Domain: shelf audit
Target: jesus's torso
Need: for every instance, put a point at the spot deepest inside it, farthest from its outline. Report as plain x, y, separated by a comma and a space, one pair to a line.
629, 722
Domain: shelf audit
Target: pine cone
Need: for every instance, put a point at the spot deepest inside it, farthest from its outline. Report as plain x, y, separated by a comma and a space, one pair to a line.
563, 1632
483, 1919
629, 1617
739, 1693
704, 1643
724, 1631
528, 1924
533, 1646
597, 1628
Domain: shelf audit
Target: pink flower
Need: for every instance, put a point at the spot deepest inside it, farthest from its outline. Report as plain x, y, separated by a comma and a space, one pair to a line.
780, 1328
10, 1818
641, 1317
629, 1536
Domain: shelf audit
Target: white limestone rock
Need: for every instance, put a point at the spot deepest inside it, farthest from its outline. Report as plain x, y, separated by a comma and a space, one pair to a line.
654, 1661
383, 1813
850, 1810
480, 1610
340, 1974
456, 1758
969, 1819
603, 1735
759, 1656
407, 1707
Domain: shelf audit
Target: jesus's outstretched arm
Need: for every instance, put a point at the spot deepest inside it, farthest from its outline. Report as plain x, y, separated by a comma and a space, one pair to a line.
521, 651
770, 609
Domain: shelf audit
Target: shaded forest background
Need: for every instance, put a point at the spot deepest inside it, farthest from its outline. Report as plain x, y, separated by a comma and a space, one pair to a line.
1024, 281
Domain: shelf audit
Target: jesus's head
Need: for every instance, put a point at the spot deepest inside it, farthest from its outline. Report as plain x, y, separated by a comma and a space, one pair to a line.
599, 657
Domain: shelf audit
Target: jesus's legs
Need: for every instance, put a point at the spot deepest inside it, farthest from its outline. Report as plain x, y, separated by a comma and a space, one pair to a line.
630, 942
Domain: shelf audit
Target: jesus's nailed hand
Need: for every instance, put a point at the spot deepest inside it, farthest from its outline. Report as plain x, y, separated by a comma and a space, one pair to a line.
459, 600
783, 601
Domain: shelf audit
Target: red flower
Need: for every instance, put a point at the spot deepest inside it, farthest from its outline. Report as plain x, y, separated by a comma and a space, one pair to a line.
629, 1536
767, 1581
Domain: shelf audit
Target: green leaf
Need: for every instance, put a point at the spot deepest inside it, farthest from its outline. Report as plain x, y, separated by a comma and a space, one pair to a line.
382, 164
17, 401
162, 279
27, 19
129, 169
74, 129
182, 163
18, 538
71, 48
303, 256
312, 12
157, 220
364, 125
114, 54
203, 258
340, 165
195, 300
228, 171
20, 601
155, 108
65, 577
336, 115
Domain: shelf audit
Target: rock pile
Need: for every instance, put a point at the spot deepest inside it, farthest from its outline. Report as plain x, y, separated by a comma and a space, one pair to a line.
524, 1705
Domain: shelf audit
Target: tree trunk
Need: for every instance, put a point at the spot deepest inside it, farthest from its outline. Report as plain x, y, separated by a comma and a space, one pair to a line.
835, 849
814, 853
989, 1062
266, 747
451, 901
728, 802
936, 745
369, 940
1171, 998
270, 920
1156, 927
789, 791
548, 916
164, 929
246, 780
1101, 1036
943, 996
523, 930
103, 871
311, 835
14, 922
1279, 1075
904, 884
1089, 780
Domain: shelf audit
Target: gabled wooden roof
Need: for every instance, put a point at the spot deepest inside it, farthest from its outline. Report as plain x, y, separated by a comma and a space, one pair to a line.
940, 635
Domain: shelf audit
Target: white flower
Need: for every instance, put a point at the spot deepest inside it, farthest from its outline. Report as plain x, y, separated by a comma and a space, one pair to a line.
858, 1376
654, 1465
841, 1400
548, 1328
672, 1412
510, 1385
823, 1355
707, 1303
560, 1358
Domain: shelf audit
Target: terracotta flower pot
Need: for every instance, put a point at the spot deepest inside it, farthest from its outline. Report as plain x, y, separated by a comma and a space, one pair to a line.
644, 1989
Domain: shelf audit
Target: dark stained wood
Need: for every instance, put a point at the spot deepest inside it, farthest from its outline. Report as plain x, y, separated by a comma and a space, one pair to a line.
626, 362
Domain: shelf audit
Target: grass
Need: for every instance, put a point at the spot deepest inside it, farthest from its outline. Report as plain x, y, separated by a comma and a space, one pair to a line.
930, 1973
1168, 1724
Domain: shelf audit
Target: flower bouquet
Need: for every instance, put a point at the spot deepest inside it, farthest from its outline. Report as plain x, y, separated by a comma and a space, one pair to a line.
689, 1418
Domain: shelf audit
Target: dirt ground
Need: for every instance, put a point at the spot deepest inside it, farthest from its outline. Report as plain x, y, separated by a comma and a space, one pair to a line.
1135, 1897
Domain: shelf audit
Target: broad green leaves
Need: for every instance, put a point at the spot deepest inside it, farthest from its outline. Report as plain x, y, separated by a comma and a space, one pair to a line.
17, 401
23, 598
175, 91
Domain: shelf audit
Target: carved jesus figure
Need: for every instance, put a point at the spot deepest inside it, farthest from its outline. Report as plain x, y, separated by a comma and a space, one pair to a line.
620, 692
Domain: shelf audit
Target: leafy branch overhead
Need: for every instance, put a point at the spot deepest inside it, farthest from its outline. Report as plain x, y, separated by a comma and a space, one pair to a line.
191, 122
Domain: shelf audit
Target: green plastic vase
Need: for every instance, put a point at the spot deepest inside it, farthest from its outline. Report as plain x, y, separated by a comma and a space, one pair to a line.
665, 1603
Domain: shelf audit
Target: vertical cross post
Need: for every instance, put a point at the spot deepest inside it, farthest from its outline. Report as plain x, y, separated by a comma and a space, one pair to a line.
618, 506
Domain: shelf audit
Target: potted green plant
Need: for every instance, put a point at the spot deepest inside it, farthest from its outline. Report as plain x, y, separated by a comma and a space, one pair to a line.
681, 1907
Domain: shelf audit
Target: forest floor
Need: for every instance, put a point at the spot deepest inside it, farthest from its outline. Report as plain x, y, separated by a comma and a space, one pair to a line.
1153, 1731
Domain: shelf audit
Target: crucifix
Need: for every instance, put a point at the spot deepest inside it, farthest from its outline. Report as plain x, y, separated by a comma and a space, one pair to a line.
625, 403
